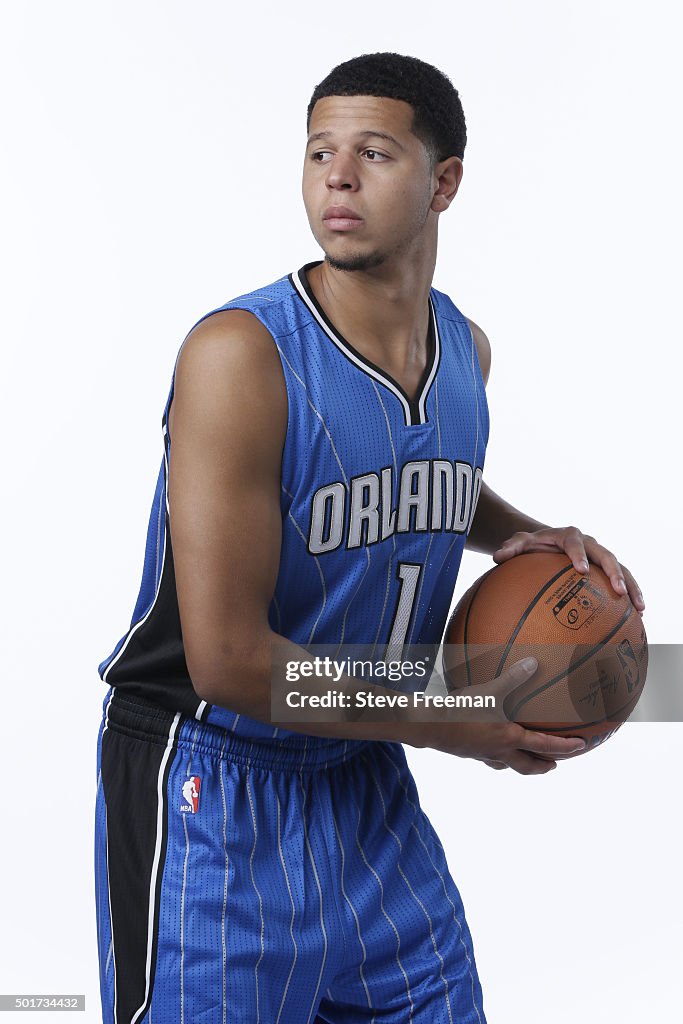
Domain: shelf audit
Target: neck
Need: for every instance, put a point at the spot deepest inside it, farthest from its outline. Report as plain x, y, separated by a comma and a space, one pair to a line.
385, 308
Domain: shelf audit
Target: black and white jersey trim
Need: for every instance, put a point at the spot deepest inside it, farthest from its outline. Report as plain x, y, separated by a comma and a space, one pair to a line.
414, 410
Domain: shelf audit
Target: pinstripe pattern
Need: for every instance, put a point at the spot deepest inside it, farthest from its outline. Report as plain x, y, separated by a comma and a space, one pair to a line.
314, 1003
293, 918
457, 917
390, 560
438, 421
355, 594
383, 909
423, 575
260, 899
345, 422
334, 337
298, 528
307, 880
407, 882
221, 767
352, 908
475, 383
362, 364
318, 567
301, 886
318, 414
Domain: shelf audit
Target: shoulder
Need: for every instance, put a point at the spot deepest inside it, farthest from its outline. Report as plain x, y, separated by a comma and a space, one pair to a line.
230, 358
243, 329
226, 337
483, 348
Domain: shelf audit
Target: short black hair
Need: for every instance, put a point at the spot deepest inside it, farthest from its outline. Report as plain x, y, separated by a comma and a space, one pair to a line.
438, 121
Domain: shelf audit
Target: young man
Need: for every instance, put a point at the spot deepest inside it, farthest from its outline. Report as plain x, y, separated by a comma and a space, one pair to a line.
252, 872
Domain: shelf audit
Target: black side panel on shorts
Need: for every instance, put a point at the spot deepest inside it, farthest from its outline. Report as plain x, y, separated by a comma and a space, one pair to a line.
130, 777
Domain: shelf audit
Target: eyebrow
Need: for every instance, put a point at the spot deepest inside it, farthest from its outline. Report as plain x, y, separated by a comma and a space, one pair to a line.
366, 134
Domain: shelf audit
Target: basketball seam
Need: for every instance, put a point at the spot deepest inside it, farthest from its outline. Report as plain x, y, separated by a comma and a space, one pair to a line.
467, 617
597, 721
581, 661
525, 615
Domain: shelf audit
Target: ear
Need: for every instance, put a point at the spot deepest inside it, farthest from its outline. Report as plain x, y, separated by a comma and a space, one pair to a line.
447, 177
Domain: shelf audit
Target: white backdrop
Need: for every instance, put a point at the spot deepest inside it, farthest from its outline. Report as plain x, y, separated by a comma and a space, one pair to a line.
150, 172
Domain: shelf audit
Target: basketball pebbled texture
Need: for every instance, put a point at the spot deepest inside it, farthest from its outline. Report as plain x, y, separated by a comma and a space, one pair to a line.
589, 642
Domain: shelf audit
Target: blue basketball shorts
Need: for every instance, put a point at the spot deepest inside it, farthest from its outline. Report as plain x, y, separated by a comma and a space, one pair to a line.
261, 883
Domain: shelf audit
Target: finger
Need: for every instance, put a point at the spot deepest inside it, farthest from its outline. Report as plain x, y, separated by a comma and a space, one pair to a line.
511, 679
634, 591
526, 764
609, 565
465, 664
546, 745
512, 546
573, 544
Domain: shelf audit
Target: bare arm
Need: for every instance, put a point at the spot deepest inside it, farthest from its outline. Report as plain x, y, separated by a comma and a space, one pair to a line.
495, 520
227, 426
229, 415
501, 530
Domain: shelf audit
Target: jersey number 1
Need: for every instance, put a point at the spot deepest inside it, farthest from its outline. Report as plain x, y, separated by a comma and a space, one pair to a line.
409, 575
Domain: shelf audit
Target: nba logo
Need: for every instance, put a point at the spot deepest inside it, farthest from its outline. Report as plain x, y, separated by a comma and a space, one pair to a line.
190, 799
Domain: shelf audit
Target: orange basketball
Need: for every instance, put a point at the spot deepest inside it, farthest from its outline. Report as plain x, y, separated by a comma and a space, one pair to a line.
589, 642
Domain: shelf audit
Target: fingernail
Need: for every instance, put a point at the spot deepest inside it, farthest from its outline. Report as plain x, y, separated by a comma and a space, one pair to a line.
583, 565
580, 746
529, 664
621, 586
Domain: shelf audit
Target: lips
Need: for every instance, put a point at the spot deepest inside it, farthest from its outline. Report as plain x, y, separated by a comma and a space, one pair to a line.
341, 218
340, 213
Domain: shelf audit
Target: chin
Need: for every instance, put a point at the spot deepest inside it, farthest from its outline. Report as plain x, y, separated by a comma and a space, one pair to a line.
355, 261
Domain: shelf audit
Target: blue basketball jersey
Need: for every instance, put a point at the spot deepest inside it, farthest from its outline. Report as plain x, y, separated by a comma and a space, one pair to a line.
378, 493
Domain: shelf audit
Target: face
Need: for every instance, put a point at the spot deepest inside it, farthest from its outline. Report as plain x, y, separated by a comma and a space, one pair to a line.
368, 183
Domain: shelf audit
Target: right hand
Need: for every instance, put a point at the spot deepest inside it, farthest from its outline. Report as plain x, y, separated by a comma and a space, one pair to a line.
493, 738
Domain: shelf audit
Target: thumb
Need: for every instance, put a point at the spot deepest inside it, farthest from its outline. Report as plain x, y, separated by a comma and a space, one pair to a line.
514, 676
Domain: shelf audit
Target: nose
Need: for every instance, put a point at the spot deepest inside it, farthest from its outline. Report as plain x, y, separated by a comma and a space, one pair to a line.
342, 172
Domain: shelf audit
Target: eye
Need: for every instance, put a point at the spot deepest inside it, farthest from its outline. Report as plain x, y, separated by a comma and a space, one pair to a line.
319, 156
374, 156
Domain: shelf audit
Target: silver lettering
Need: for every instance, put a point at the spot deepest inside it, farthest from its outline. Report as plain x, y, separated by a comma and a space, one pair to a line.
442, 472
336, 494
364, 512
419, 501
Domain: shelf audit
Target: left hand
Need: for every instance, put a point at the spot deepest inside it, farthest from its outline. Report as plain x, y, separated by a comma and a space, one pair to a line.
581, 548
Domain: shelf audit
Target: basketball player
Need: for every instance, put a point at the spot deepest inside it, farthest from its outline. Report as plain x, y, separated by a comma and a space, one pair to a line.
324, 441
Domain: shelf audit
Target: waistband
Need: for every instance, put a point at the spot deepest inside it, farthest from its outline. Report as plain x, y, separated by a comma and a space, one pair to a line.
157, 725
